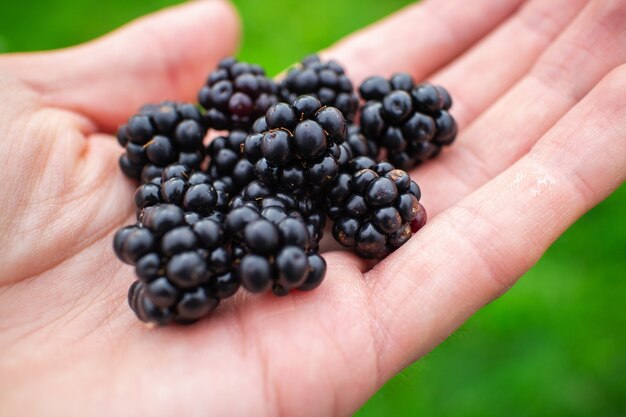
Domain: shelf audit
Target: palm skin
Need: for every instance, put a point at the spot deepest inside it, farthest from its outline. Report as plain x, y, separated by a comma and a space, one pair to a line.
532, 82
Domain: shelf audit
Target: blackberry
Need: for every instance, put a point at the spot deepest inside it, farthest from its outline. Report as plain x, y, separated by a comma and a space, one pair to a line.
228, 163
183, 270
161, 134
194, 191
236, 94
275, 204
300, 150
272, 250
375, 207
326, 81
410, 122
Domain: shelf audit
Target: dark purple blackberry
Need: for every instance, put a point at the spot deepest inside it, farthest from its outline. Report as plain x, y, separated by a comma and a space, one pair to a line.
326, 81
300, 150
272, 247
276, 204
236, 94
375, 207
183, 269
226, 161
193, 191
410, 122
159, 135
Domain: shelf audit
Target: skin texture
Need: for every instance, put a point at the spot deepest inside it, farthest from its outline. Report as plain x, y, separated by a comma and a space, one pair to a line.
539, 95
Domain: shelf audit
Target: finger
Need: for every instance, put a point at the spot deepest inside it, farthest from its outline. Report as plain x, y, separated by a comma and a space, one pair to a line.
510, 49
477, 249
420, 38
498, 61
165, 55
588, 49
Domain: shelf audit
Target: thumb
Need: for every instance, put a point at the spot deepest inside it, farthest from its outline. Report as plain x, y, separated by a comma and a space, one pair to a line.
165, 55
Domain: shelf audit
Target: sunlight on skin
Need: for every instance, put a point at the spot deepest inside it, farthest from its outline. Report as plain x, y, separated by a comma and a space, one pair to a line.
522, 171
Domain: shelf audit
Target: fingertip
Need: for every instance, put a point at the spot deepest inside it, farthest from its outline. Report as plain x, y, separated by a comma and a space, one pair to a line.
209, 15
179, 45
165, 55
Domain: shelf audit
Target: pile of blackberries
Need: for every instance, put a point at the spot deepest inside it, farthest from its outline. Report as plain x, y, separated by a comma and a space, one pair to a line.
249, 208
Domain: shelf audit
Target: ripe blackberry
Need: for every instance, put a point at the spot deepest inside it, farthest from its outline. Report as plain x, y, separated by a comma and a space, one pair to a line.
326, 81
192, 191
183, 270
159, 135
272, 250
226, 161
236, 94
300, 150
375, 207
411, 122
275, 204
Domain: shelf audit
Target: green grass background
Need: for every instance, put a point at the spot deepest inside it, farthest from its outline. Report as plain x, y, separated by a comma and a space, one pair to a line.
555, 345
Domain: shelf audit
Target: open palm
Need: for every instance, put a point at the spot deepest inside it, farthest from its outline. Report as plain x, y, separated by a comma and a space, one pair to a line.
539, 96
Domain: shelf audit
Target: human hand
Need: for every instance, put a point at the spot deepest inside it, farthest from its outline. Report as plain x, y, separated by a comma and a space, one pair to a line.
538, 96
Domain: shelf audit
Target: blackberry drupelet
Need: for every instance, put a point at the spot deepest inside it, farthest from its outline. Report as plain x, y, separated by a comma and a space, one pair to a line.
183, 269
236, 94
226, 161
326, 81
410, 122
259, 125
271, 249
159, 135
375, 207
300, 150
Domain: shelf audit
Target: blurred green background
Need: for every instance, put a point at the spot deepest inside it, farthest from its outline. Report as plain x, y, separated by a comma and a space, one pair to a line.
555, 345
